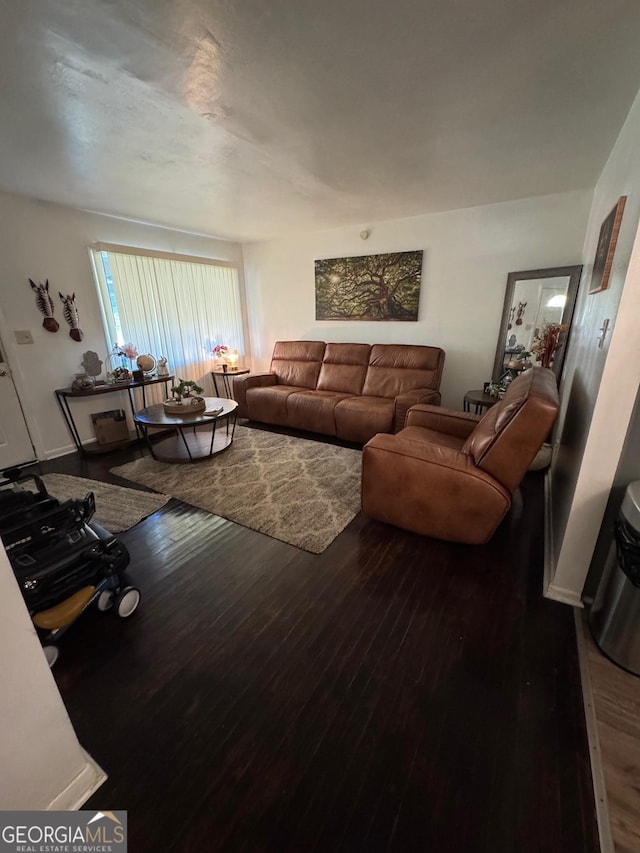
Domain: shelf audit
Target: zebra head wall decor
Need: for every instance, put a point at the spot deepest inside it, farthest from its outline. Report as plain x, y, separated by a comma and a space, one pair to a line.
45, 305
71, 316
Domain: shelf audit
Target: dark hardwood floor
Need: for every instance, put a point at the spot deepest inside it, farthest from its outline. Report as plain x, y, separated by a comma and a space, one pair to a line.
394, 693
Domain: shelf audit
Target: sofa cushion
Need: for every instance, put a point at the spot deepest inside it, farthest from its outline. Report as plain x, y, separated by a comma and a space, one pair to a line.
344, 367
313, 410
297, 363
358, 418
269, 404
394, 369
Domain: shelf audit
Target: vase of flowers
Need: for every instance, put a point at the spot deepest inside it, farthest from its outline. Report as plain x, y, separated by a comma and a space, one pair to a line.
220, 353
120, 362
547, 342
129, 352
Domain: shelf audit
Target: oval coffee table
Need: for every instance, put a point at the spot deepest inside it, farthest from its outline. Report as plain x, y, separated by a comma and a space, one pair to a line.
197, 436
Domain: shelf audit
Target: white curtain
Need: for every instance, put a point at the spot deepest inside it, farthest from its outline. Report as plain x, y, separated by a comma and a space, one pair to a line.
169, 306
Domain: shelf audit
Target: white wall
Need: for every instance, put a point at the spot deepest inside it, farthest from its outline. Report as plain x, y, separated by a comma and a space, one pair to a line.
39, 240
468, 254
43, 765
600, 385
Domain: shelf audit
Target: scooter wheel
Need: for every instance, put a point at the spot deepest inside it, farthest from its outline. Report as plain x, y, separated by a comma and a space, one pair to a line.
128, 601
105, 600
51, 653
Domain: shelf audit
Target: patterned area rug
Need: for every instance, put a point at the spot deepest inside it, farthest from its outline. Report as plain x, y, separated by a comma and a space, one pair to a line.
300, 491
117, 508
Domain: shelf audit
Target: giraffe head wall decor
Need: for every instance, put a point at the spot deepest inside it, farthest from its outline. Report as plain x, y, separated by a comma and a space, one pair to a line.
71, 316
45, 305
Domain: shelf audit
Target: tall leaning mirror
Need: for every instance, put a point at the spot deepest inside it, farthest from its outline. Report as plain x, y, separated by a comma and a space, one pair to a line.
533, 298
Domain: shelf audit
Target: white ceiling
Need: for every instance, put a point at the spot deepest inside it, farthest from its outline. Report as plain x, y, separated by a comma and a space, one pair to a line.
248, 119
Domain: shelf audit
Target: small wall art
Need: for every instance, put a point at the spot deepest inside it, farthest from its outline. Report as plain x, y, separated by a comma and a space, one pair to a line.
70, 313
369, 287
607, 240
44, 303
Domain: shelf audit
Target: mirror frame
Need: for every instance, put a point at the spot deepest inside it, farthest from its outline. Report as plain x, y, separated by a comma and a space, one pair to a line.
574, 274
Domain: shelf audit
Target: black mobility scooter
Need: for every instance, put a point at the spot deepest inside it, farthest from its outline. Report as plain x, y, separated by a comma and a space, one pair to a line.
63, 561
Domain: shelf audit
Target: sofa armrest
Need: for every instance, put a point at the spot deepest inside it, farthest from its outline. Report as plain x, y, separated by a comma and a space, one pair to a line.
403, 403
460, 424
241, 385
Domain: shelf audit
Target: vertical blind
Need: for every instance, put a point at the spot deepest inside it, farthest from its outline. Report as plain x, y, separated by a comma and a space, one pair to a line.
170, 306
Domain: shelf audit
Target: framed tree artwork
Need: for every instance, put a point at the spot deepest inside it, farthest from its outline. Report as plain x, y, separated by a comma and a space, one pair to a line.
607, 240
369, 287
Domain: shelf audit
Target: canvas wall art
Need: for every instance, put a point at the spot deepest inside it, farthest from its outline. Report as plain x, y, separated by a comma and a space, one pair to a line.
607, 239
369, 287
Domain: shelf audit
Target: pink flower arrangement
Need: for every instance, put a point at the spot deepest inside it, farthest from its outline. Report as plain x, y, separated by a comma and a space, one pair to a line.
220, 350
129, 351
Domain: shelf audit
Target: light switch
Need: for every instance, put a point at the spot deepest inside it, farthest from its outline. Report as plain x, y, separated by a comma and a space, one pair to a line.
23, 336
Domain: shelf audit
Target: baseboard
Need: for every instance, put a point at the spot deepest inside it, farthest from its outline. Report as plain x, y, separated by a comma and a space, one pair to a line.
60, 451
549, 589
549, 562
67, 449
595, 755
80, 788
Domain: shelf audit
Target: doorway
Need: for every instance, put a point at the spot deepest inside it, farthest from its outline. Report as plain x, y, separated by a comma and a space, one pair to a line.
16, 447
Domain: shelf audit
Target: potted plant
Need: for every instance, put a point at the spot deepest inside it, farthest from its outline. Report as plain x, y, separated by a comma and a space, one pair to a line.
185, 399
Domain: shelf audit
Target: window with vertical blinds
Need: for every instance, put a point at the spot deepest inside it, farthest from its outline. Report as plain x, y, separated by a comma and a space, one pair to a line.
169, 305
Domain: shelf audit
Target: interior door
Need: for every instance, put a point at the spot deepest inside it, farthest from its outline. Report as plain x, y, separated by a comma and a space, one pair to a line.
15, 441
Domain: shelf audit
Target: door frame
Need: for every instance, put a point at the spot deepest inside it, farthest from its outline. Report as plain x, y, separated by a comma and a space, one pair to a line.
20, 384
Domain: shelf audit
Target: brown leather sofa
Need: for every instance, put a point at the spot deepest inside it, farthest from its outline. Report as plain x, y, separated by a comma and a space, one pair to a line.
451, 475
351, 391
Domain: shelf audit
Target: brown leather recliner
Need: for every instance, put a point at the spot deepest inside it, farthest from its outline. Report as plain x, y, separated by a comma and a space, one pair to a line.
450, 474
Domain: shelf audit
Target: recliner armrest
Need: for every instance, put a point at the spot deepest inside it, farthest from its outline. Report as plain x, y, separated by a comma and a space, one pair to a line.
460, 424
241, 385
403, 403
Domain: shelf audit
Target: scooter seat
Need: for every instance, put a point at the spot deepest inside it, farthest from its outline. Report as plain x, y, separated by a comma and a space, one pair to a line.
65, 612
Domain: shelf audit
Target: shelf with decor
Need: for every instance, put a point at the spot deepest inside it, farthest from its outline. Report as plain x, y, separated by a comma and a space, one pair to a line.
65, 395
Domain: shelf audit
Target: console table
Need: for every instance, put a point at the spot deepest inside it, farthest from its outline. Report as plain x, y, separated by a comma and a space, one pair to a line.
65, 395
